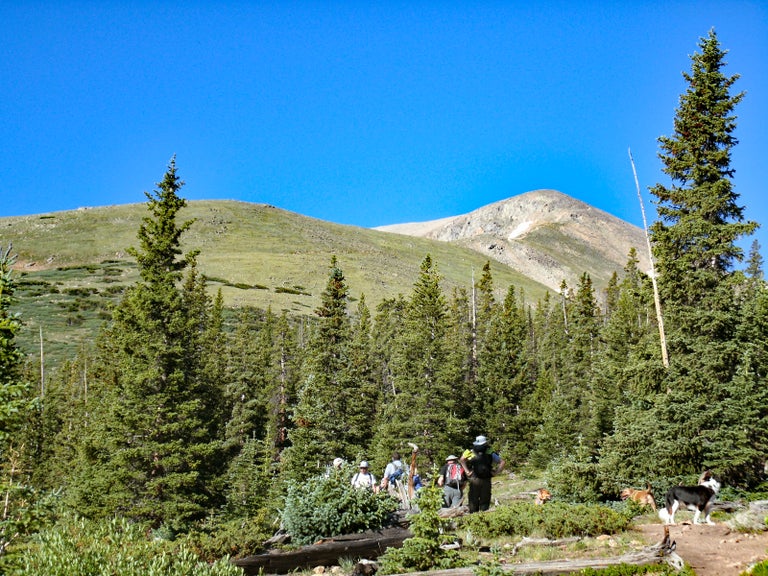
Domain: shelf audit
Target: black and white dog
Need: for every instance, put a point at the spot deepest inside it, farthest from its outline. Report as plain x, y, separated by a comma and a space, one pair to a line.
698, 499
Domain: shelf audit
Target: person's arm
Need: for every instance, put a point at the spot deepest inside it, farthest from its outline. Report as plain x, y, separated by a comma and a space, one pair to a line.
463, 462
499, 463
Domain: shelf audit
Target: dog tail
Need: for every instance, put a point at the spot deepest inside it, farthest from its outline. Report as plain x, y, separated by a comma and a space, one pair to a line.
664, 514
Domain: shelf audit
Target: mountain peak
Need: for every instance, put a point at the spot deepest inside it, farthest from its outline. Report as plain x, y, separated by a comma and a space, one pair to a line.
544, 234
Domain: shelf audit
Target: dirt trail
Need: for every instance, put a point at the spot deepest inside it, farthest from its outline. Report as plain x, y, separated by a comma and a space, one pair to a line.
712, 550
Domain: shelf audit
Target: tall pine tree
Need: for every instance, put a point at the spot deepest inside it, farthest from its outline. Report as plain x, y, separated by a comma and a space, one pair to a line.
680, 420
15, 407
328, 393
423, 405
151, 449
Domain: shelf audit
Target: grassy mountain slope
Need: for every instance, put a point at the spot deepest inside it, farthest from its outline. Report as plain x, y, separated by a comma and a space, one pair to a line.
72, 264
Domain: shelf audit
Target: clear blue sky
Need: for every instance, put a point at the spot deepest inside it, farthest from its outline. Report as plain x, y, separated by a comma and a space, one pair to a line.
363, 113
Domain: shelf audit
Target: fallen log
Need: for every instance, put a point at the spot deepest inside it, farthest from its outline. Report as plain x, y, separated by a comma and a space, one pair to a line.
649, 555
664, 551
368, 544
453, 512
543, 542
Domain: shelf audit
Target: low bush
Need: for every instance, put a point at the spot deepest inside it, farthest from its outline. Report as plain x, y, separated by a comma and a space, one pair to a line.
79, 547
294, 291
423, 551
632, 570
555, 520
759, 569
236, 538
325, 506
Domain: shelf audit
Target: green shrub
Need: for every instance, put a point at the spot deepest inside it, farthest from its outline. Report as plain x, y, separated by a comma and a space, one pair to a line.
631, 570
325, 506
295, 291
237, 537
422, 551
81, 291
81, 547
26, 511
573, 478
760, 569
555, 520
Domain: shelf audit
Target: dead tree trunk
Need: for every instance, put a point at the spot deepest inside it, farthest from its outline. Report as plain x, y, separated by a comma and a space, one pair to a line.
369, 545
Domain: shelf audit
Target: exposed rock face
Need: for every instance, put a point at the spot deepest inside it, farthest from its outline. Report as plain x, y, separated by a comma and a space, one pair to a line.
544, 234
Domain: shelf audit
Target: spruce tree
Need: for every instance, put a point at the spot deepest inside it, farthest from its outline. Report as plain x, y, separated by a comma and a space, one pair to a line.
16, 405
549, 358
151, 449
422, 407
755, 263
478, 392
262, 362
694, 244
364, 393
570, 418
700, 219
504, 381
388, 325
327, 390
14, 400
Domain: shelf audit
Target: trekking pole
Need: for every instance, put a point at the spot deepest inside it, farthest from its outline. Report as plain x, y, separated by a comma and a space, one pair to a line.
414, 451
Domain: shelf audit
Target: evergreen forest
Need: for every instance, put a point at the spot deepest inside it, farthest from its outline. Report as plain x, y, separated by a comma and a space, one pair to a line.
187, 417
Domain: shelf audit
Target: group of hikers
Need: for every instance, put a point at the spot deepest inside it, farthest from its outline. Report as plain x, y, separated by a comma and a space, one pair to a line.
475, 468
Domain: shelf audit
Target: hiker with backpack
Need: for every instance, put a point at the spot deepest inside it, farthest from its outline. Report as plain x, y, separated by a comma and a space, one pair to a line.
480, 465
451, 477
393, 472
364, 478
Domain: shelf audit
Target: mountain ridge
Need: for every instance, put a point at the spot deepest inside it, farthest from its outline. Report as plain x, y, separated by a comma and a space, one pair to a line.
544, 234
73, 265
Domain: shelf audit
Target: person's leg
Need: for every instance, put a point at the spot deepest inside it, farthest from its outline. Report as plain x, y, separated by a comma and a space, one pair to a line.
454, 497
474, 494
484, 495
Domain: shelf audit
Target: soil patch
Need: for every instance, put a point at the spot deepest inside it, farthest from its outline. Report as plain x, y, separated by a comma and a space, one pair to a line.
712, 550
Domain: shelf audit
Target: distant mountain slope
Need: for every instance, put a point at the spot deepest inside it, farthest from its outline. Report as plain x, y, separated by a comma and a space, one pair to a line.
545, 235
73, 264
257, 254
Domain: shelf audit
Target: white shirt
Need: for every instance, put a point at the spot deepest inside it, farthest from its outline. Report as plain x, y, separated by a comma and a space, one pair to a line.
361, 480
392, 467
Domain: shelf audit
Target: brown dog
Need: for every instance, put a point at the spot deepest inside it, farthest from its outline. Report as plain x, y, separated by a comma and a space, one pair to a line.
542, 495
642, 497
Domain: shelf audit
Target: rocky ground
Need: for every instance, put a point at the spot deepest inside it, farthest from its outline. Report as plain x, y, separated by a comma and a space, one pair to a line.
712, 550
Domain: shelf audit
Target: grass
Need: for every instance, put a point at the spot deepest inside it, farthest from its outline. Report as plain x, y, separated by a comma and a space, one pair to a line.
257, 255
511, 488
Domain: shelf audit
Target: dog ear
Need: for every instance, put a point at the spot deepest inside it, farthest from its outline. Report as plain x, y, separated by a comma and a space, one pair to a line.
706, 475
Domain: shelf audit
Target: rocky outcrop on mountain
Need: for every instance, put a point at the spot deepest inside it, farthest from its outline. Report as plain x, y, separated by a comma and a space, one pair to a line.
544, 234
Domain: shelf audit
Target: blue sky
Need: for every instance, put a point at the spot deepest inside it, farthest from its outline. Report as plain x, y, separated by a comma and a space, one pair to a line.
363, 113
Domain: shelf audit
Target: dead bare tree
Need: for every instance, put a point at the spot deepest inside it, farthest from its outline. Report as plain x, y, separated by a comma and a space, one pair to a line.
656, 299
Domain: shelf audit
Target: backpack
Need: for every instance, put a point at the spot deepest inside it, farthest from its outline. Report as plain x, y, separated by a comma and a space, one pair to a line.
396, 474
454, 475
482, 465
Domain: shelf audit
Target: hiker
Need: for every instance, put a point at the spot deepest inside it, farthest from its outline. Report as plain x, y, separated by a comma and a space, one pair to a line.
364, 478
451, 478
392, 473
338, 463
480, 465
